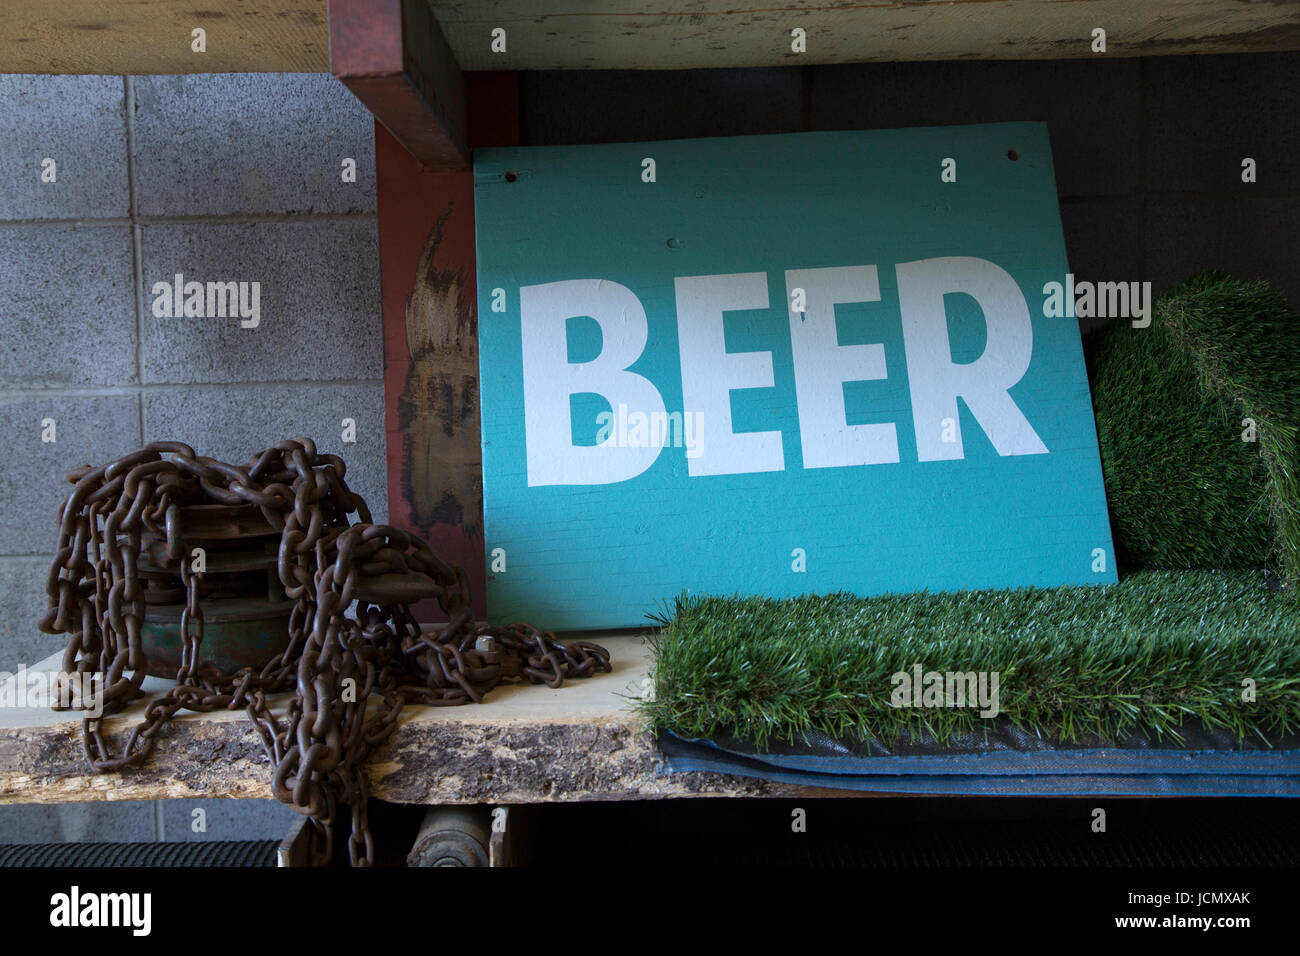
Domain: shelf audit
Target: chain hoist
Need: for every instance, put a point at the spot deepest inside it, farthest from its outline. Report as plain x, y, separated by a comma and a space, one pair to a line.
264, 559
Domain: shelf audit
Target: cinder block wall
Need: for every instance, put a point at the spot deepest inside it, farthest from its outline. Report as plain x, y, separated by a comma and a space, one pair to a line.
217, 177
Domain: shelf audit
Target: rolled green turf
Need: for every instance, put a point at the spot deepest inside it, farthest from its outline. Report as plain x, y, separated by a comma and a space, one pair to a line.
1146, 654
1185, 490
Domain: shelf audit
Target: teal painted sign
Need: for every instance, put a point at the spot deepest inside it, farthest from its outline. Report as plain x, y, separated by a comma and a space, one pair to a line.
778, 364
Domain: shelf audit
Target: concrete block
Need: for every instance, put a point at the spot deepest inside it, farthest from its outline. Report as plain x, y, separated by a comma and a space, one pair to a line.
67, 306
250, 143
234, 423
22, 602
319, 306
225, 819
1250, 238
1090, 106
88, 430
612, 106
1204, 114
116, 821
80, 123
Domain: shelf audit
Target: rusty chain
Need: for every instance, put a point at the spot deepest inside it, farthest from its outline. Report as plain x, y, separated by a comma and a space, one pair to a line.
334, 663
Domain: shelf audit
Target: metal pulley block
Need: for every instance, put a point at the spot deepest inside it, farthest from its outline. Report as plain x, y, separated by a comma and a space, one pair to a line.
237, 632
197, 524
244, 610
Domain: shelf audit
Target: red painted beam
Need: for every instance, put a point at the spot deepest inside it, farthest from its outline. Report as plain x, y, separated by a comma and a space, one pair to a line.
392, 55
426, 253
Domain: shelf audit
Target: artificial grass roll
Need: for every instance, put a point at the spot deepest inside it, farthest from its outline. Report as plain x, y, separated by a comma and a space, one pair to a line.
1185, 490
1142, 655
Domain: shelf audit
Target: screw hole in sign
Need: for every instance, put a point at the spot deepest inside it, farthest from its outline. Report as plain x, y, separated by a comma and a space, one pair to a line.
1012, 155
511, 176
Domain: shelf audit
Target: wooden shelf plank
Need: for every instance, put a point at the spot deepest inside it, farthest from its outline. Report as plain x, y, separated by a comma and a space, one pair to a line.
524, 744
130, 37
675, 34
150, 36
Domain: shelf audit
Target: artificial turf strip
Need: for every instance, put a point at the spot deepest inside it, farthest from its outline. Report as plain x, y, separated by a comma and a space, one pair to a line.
1143, 655
1184, 489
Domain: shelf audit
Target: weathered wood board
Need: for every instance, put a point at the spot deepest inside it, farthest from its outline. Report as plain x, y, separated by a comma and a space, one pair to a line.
704, 34
524, 744
426, 257
779, 365
133, 37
